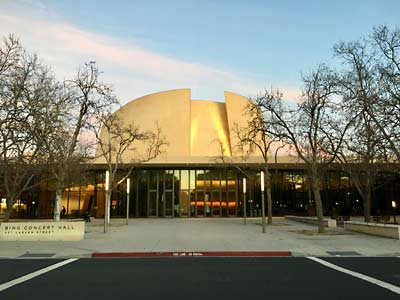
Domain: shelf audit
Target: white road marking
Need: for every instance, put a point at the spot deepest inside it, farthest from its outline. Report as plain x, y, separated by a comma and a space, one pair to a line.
29, 276
375, 281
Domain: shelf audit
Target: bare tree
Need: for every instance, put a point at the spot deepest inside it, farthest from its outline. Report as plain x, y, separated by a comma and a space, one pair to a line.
360, 152
255, 137
120, 143
364, 144
26, 87
308, 127
11, 53
386, 114
372, 82
78, 102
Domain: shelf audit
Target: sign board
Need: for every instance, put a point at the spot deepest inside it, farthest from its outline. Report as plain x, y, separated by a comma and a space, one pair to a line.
42, 231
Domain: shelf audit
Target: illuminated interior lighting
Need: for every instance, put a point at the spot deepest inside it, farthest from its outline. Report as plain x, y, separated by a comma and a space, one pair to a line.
215, 204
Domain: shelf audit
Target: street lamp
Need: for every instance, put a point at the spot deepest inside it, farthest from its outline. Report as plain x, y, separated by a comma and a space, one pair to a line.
106, 209
107, 180
394, 211
244, 200
262, 202
128, 188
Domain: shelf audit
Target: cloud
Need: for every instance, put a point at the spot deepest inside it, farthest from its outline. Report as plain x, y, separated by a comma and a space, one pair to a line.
35, 4
133, 70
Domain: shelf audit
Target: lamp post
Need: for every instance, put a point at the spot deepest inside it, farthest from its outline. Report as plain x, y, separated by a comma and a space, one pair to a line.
128, 188
244, 201
106, 209
394, 205
262, 202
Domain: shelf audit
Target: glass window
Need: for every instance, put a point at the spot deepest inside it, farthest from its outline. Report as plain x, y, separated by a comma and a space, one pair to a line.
153, 180
200, 179
231, 179
153, 204
184, 203
169, 177
184, 179
192, 179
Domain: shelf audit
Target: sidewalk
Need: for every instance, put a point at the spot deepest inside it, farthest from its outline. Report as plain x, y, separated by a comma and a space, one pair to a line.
197, 235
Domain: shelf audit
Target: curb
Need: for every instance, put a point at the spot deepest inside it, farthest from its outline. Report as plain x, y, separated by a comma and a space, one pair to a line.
193, 254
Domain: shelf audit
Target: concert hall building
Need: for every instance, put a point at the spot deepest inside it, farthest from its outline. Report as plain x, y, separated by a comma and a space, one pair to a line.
189, 179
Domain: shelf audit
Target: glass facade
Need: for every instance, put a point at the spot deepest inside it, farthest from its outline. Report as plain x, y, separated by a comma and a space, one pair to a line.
184, 193
207, 192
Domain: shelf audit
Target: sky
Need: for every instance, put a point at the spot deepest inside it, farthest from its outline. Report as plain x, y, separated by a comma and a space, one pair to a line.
210, 46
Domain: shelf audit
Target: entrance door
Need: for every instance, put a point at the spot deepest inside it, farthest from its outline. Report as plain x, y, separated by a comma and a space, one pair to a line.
153, 201
184, 198
231, 193
161, 203
153, 195
231, 203
184, 194
168, 200
216, 203
200, 204
168, 208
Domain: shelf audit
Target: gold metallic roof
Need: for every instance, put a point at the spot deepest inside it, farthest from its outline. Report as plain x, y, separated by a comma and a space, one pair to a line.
194, 129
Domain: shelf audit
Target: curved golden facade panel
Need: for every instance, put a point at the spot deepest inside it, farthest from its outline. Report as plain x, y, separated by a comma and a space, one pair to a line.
235, 107
209, 129
196, 130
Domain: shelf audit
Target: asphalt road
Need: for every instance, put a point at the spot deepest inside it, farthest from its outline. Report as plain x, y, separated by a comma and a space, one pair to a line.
201, 278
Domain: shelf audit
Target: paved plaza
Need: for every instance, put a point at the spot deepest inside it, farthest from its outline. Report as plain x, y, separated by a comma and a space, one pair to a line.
206, 234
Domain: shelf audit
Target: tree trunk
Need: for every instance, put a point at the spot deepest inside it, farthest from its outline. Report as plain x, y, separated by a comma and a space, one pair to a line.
317, 198
269, 198
269, 204
367, 202
7, 214
57, 202
364, 189
10, 202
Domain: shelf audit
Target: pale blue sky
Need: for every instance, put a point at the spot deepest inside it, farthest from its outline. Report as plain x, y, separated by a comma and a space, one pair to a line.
209, 46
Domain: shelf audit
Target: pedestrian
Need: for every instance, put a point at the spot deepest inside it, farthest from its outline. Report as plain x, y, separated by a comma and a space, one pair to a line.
63, 211
86, 216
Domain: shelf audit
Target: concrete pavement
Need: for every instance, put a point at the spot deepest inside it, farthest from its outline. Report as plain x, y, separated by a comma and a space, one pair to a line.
216, 234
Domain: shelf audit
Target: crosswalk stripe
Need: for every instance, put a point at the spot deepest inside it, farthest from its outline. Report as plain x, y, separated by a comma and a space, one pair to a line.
375, 281
29, 276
